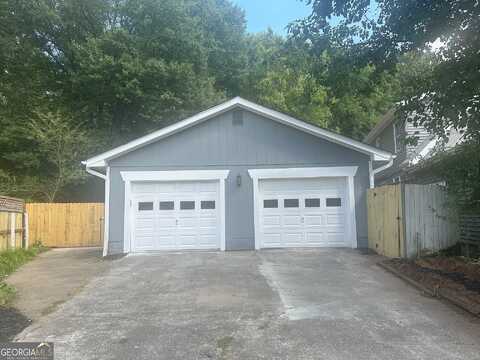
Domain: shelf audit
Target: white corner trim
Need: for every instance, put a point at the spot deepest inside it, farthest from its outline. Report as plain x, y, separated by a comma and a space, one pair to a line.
289, 173
106, 216
175, 175
313, 172
106, 203
352, 220
101, 159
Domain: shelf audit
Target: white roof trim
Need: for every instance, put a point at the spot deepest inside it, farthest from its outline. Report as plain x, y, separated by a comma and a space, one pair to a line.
312, 172
101, 160
179, 175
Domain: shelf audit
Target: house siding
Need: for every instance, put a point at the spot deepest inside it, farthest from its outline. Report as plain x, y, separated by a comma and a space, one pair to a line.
221, 143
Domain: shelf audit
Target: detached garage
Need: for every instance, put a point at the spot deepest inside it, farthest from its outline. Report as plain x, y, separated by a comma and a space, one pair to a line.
238, 176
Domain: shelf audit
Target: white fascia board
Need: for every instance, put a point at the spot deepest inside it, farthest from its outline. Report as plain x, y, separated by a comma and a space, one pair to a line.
290, 173
180, 175
100, 160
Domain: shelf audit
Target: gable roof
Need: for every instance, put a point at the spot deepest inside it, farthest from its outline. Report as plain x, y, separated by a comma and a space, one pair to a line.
237, 102
384, 122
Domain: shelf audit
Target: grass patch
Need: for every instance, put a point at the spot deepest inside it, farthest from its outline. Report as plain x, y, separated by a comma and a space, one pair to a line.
11, 260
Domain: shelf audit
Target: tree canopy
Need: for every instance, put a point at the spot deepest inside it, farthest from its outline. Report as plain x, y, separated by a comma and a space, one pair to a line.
381, 32
106, 71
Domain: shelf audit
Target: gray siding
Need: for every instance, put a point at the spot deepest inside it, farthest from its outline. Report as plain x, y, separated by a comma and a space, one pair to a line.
220, 144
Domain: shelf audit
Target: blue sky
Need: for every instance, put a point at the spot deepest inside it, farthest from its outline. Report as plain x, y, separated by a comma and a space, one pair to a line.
276, 14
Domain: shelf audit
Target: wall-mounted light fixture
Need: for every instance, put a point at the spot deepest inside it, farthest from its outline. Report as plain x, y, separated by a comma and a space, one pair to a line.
239, 180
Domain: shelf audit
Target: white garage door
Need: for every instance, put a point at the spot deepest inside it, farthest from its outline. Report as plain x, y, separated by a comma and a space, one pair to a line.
303, 212
175, 215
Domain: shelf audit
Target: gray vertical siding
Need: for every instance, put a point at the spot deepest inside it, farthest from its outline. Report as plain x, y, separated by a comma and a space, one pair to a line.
220, 144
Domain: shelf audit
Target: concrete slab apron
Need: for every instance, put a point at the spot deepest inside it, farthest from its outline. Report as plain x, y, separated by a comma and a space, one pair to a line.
319, 304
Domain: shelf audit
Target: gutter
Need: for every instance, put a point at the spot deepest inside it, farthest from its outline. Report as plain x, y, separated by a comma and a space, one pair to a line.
373, 172
95, 173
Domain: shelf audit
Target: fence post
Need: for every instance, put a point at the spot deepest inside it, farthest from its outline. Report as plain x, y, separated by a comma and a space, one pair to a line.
25, 230
13, 225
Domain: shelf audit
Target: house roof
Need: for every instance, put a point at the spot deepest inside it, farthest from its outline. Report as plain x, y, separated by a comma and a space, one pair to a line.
384, 122
237, 102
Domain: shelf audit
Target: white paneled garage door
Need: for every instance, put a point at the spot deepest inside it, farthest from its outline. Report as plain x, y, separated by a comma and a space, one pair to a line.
175, 215
307, 212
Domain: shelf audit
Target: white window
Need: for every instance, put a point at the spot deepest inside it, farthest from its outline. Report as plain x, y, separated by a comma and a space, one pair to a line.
312, 203
334, 202
167, 205
145, 206
207, 205
270, 204
187, 205
291, 203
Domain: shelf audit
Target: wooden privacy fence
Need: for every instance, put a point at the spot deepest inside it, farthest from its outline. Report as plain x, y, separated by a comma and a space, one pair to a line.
66, 224
409, 220
13, 230
385, 230
470, 234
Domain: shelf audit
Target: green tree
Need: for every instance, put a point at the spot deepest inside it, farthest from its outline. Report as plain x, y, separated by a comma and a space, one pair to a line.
120, 67
61, 143
381, 32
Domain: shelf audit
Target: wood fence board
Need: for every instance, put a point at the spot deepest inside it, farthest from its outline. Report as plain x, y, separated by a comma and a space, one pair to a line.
430, 226
65, 225
385, 230
4, 226
5, 230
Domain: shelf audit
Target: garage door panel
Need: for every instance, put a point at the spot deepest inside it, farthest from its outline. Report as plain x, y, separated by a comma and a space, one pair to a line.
292, 220
207, 239
187, 240
179, 215
165, 188
272, 240
144, 242
186, 187
185, 222
307, 218
336, 239
314, 220
314, 238
293, 238
207, 222
167, 222
142, 188
336, 219
165, 241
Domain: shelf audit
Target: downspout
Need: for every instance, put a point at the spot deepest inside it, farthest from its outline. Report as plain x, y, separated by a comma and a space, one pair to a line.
371, 175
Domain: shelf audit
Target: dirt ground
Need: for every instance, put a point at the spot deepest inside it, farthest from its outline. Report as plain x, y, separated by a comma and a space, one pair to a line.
455, 274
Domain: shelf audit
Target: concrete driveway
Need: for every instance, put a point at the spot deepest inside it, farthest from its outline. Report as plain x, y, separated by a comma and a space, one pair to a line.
308, 304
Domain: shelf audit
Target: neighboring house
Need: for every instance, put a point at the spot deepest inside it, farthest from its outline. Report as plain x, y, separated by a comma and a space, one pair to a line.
236, 176
413, 146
